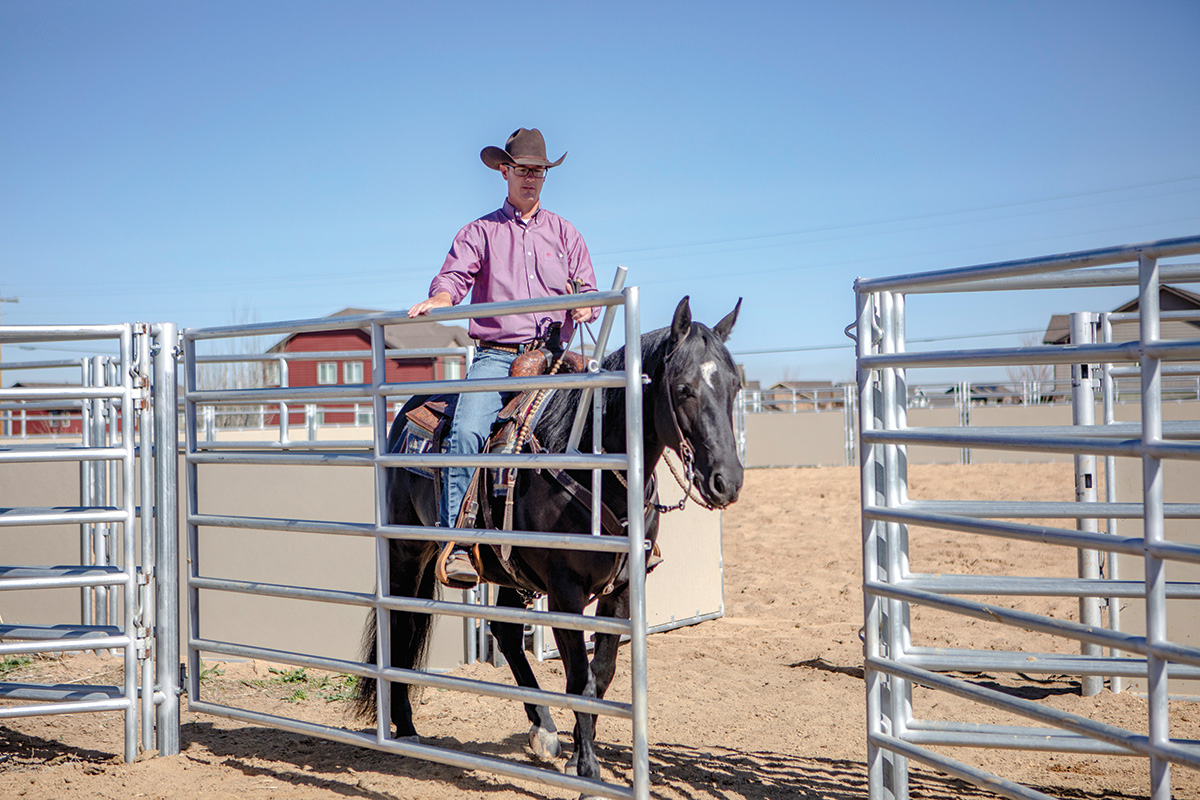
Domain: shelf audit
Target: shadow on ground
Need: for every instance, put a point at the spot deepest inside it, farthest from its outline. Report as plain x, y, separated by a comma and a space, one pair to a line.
677, 771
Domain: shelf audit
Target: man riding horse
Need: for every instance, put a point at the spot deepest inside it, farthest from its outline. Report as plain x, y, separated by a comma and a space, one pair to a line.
520, 251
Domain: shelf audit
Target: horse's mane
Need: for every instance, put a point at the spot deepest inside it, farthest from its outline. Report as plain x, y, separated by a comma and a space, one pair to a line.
554, 428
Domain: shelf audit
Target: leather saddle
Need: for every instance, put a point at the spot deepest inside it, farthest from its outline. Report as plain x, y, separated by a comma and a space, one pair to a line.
427, 419
428, 424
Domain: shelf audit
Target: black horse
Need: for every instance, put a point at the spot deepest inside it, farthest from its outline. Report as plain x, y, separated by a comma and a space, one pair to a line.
688, 407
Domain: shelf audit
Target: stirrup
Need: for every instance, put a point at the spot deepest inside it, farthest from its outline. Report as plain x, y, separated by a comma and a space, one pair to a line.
654, 558
462, 574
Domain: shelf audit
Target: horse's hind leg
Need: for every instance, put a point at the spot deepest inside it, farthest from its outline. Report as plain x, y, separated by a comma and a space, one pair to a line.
411, 576
580, 681
604, 654
510, 637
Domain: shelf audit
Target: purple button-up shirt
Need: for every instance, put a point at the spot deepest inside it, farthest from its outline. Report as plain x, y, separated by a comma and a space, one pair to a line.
504, 257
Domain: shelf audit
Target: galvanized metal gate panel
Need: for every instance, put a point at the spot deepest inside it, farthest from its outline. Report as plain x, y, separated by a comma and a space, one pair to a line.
896, 731
125, 406
206, 454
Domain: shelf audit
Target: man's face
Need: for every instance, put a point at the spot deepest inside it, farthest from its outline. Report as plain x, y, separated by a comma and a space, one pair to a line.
525, 190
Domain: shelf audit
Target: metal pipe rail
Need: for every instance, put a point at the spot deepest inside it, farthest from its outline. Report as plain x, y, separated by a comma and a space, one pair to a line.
960, 278
896, 733
430, 680
548, 541
577, 622
381, 318
378, 392
946, 659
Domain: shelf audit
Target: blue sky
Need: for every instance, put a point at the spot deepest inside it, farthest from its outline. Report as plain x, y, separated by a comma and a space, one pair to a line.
215, 162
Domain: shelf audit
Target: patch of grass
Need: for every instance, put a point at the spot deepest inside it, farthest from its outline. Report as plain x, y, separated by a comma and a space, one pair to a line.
336, 687
210, 673
330, 688
13, 663
294, 675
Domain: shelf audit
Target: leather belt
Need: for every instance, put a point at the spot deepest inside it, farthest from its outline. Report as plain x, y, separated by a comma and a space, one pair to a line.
516, 349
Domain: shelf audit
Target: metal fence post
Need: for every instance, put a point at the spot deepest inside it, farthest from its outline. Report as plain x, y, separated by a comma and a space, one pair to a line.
166, 506
1083, 404
1154, 531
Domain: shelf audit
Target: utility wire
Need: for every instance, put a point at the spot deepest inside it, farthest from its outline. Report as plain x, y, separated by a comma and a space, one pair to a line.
814, 348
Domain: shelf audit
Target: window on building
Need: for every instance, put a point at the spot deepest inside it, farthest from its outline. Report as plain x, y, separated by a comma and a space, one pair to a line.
353, 371
363, 414
327, 372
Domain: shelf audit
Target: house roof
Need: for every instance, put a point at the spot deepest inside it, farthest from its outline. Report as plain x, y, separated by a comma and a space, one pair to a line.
986, 390
410, 336
800, 386
1171, 298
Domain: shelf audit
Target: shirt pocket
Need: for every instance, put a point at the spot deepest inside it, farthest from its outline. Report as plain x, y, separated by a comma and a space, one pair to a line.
553, 269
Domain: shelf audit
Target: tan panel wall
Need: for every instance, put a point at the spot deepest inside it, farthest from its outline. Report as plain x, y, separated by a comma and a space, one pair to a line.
688, 584
807, 439
36, 485
811, 440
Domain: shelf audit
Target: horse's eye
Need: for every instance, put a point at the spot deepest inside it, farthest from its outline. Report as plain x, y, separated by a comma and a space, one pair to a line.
683, 390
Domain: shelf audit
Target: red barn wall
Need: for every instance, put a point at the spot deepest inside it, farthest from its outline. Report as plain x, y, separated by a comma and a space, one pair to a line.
304, 373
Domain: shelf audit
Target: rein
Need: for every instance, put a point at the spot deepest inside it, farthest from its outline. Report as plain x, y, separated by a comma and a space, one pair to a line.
687, 453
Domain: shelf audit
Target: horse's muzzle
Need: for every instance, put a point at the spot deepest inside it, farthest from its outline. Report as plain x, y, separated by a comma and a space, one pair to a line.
723, 485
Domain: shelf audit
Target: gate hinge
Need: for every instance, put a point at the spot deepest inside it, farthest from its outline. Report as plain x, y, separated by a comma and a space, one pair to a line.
182, 679
142, 642
144, 576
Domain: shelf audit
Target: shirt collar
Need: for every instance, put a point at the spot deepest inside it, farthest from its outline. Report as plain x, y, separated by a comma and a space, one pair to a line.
511, 212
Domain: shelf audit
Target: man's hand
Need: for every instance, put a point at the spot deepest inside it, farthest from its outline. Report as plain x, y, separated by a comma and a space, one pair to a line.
577, 314
439, 300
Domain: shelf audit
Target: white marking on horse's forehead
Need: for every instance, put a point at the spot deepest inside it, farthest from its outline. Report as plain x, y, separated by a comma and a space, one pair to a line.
706, 371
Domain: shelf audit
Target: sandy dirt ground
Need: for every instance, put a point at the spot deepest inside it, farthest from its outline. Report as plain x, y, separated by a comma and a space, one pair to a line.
763, 704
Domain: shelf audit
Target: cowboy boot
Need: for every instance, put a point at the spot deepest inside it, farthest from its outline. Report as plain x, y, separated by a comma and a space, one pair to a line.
455, 570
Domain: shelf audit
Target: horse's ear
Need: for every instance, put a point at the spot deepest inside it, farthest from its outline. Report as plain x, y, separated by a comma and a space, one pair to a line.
681, 325
725, 326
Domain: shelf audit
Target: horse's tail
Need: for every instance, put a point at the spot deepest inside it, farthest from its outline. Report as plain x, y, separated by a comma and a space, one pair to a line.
362, 704
410, 642
411, 569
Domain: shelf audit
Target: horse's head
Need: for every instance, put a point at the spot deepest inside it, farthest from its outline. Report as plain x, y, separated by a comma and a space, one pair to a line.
699, 383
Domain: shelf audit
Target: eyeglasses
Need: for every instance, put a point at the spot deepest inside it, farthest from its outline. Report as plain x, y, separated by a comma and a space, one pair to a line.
525, 172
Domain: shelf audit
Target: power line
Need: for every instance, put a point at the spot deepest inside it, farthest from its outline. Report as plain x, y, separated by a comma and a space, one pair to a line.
912, 218
815, 348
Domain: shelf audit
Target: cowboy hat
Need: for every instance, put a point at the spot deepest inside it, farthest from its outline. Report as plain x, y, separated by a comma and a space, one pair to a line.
525, 147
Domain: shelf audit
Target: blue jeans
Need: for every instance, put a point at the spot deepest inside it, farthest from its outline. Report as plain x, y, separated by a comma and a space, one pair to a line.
474, 413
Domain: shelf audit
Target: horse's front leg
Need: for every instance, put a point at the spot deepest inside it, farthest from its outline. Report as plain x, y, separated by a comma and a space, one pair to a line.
580, 681
510, 637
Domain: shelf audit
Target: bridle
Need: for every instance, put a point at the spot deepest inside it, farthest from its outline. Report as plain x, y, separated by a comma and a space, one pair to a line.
685, 451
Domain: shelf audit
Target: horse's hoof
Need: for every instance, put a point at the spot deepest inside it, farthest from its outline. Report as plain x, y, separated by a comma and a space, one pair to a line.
572, 765
544, 743
412, 739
